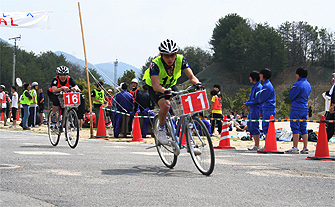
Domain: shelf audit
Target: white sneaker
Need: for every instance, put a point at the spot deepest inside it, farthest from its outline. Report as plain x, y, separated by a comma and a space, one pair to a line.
13, 126
293, 150
162, 135
254, 148
196, 151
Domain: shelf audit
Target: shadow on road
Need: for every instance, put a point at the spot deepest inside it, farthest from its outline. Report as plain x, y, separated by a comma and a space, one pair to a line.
155, 171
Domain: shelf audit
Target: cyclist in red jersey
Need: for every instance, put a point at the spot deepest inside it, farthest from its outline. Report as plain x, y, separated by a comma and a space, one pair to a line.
61, 82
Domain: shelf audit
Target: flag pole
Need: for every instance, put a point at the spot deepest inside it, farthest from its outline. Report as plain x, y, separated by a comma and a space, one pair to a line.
88, 80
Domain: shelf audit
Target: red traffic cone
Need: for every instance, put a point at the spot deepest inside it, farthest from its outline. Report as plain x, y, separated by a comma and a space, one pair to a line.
224, 138
137, 135
101, 130
1, 117
287, 117
18, 116
271, 141
183, 142
322, 149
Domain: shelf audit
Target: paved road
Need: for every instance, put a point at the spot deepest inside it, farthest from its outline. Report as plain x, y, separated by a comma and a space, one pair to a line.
104, 173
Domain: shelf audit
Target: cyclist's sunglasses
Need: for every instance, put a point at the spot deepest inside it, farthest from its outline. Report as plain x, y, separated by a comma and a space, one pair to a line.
170, 55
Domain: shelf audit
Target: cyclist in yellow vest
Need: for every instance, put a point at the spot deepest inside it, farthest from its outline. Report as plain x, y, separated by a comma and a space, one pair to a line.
162, 75
26, 100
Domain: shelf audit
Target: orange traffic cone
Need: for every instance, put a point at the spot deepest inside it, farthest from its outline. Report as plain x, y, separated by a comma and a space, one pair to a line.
271, 141
101, 130
322, 149
18, 116
1, 117
137, 135
183, 142
224, 138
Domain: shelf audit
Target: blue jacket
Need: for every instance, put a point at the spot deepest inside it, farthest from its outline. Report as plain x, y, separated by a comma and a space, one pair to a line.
267, 97
253, 102
299, 94
125, 99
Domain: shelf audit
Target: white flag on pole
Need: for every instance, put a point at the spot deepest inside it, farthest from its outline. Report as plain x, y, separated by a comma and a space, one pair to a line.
35, 19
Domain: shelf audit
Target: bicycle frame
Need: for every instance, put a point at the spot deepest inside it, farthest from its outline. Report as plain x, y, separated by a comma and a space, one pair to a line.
176, 131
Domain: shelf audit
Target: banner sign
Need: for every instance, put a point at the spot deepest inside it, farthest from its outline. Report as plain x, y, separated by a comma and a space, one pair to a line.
36, 19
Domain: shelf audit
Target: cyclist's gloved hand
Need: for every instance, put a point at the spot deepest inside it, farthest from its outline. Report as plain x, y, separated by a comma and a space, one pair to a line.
167, 94
199, 86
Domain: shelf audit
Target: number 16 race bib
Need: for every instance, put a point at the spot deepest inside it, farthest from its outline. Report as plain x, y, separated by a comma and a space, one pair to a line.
71, 99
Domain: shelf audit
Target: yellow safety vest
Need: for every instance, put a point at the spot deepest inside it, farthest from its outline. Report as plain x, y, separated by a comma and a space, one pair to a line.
25, 100
164, 79
99, 95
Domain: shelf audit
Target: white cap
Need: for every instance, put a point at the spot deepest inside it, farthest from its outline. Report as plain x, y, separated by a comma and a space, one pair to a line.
110, 90
134, 80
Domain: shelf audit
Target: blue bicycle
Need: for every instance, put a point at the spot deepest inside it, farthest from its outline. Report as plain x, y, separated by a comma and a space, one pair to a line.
189, 126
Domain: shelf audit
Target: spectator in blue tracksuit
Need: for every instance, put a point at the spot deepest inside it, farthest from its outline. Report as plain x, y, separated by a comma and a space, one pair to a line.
254, 111
144, 104
124, 104
267, 98
299, 94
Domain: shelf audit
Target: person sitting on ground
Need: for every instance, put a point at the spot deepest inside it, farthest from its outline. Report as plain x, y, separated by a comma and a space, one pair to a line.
242, 124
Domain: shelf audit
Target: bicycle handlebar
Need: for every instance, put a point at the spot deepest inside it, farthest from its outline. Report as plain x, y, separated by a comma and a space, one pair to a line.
182, 91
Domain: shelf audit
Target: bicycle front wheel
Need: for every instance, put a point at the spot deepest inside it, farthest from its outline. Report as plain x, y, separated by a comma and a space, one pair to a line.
166, 152
72, 128
53, 128
200, 146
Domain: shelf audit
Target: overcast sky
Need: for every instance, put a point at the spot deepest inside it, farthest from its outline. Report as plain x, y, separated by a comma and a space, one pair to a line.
131, 30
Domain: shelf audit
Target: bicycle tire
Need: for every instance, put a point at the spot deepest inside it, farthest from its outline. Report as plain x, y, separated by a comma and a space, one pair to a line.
199, 137
165, 152
72, 128
53, 129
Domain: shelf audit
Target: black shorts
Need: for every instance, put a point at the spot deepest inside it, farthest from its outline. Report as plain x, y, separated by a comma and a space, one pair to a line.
155, 96
40, 109
14, 111
53, 98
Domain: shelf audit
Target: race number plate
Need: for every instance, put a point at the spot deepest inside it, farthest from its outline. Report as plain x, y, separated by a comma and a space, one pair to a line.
71, 99
194, 102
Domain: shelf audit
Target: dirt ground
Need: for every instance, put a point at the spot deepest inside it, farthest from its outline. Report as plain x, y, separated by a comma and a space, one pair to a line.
235, 142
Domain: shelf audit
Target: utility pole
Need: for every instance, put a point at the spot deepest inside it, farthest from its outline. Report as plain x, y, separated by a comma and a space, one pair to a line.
115, 71
14, 54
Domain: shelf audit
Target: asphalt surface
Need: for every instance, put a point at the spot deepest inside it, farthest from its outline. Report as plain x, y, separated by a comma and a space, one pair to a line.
105, 173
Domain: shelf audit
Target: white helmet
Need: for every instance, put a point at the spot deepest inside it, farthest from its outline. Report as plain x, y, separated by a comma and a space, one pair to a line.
62, 70
168, 46
134, 80
34, 84
2, 86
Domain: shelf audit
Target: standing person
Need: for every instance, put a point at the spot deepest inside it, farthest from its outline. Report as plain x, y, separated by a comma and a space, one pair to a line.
144, 103
40, 101
98, 98
3, 105
109, 99
254, 110
327, 98
134, 91
81, 108
267, 98
299, 94
162, 74
8, 101
216, 110
124, 104
33, 105
25, 101
331, 126
14, 105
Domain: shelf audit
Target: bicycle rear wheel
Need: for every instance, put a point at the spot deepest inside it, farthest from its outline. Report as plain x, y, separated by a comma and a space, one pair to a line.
53, 128
166, 152
72, 128
200, 146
